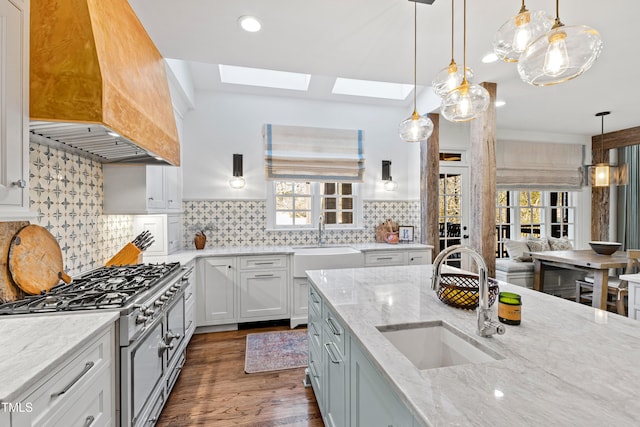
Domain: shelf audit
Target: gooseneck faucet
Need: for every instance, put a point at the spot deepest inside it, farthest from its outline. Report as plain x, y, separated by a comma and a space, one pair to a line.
486, 326
320, 230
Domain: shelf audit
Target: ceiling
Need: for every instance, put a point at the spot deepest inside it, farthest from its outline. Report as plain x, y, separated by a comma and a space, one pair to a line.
373, 40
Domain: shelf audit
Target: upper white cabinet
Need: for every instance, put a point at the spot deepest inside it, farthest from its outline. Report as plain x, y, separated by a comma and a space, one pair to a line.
14, 109
165, 229
141, 189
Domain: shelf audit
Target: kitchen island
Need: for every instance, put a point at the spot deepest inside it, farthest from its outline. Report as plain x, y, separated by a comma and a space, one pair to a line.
566, 364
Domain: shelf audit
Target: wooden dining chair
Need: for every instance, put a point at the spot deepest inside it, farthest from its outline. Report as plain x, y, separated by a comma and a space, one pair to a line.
617, 290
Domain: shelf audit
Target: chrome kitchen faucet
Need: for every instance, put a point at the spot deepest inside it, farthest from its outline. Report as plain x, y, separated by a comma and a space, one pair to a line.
486, 326
320, 230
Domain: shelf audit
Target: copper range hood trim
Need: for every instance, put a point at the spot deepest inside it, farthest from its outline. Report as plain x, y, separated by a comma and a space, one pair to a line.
95, 70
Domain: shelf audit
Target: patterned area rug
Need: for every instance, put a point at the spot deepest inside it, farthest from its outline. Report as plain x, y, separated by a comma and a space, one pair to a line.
274, 351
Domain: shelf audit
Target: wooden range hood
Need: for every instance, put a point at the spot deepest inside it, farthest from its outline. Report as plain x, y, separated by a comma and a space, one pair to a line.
94, 71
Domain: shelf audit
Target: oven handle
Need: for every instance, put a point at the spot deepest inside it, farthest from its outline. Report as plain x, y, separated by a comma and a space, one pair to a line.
86, 369
88, 421
188, 274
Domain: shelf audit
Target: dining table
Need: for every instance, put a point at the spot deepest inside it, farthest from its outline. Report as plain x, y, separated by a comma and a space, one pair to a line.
583, 260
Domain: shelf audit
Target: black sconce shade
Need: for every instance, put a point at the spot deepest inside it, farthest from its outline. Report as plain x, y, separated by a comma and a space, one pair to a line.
386, 170
237, 165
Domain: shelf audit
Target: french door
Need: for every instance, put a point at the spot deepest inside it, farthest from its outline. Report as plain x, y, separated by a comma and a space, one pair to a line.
453, 218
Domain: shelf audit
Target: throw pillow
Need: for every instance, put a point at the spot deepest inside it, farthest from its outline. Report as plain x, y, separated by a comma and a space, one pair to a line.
516, 249
559, 244
538, 245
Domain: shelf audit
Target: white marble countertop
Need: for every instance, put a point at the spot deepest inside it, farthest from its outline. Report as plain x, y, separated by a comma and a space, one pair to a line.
30, 346
187, 255
631, 277
566, 364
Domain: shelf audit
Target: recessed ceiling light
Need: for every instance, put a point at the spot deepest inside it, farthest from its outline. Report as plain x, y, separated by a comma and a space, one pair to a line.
372, 89
264, 78
249, 23
489, 58
500, 103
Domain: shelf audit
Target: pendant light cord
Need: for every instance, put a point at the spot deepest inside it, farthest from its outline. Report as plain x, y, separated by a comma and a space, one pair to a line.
452, 14
464, 44
415, 52
602, 136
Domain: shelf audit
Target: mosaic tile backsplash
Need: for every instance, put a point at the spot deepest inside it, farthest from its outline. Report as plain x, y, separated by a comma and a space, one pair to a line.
66, 191
243, 223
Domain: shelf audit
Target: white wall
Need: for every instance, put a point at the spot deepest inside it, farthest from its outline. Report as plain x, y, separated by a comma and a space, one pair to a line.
223, 124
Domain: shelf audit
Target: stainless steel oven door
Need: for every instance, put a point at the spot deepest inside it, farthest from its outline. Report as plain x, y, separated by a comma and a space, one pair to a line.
142, 371
174, 335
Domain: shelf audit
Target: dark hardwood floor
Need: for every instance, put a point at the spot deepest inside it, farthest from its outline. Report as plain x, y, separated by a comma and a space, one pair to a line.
213, 389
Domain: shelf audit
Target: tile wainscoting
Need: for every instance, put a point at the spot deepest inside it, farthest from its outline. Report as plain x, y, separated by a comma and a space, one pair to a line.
66, 191
243, 223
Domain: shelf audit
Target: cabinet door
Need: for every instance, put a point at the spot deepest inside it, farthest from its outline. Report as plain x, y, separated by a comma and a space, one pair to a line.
174, 228
379, 259
263, 294
157, 226
155, 188
336, 374
216, 291
373, 403
299, 301
14, 24
172, 190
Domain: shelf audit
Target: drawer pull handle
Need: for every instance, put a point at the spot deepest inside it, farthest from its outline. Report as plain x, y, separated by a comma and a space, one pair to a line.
86, 369
334, 329
312, 367
88, 421
314, 299
381, 258
264, 263
334, 359
264, 275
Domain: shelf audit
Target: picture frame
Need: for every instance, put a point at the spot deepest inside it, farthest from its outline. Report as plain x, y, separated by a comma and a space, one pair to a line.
405, 233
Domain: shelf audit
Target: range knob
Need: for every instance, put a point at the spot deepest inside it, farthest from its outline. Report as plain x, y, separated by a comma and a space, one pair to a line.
148, 311
141, 319
158, 303
164, 298
169, 293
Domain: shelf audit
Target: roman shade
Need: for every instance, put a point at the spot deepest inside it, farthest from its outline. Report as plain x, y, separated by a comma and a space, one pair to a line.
522, 165
297, 153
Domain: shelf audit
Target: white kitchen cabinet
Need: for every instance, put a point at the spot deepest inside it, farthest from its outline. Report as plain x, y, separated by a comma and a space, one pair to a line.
14, 110
264, 287
336, 368
80, 392
216, 291
372, 401
634, 299
397, 257
141, 189
165, 229
299, 301
190, 302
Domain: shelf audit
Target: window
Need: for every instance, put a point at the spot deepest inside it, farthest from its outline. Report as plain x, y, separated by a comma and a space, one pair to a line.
300, 204
520, 214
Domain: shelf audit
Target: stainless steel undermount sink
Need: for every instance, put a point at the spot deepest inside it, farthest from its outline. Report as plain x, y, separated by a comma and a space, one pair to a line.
437, 344
324, 257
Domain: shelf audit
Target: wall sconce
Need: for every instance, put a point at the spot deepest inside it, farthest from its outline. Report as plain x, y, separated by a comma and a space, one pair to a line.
237, 181
605, 174
389, 185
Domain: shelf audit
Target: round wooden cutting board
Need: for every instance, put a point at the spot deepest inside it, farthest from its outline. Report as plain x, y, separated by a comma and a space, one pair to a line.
35, 260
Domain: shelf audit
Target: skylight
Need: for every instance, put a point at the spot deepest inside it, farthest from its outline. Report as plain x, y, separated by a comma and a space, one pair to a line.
371, 88
264, 78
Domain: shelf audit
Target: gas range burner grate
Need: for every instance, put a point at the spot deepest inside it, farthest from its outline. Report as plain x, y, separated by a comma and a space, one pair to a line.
106, 287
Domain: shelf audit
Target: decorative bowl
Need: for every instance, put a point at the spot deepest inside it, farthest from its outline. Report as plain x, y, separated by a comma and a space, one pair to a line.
605, 248
462, 290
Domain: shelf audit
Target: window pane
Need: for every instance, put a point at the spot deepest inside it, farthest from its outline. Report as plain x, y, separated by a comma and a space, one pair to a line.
347, 218
329, 203
330, 218
284, 203
347, 203
283, 187
346, 189
330, 188
303, 203
302, 188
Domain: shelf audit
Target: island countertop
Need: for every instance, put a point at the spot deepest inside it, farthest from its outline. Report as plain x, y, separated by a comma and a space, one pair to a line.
566, 364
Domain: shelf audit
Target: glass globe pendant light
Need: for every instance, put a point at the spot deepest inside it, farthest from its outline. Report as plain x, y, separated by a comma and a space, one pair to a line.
513, 37
449, 77
561, 54
468, 100
415, 128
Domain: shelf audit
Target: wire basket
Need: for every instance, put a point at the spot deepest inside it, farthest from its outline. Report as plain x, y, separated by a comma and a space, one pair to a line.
462, 290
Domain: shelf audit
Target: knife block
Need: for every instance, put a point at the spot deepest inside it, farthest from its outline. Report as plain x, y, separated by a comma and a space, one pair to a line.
128, 255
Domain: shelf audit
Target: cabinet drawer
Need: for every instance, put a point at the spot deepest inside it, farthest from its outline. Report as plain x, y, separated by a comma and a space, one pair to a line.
375, 259
419, 257
61, 392
334, 331
314, 329
263, 262
189, 318
315, 303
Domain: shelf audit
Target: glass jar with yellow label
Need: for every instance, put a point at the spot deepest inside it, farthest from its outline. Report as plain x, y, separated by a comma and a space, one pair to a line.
509, 305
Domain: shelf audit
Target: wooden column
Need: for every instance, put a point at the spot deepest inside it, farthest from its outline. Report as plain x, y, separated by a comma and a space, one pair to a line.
482, 224
599, 196
429, 180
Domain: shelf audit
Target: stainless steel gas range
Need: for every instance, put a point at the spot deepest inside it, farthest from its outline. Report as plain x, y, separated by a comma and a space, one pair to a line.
152, 327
